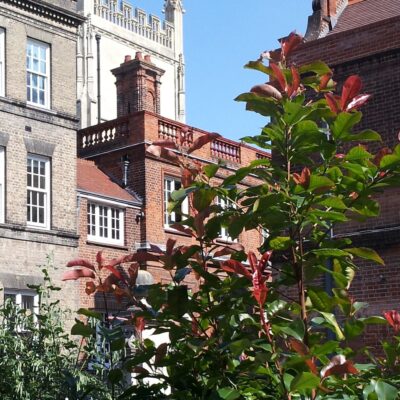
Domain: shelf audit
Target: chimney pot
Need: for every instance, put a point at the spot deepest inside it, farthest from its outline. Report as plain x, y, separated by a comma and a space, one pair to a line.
147, 58
138, 55
127, 58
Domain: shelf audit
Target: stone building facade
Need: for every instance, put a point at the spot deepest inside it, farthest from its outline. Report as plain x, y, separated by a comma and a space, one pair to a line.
123, 142
113, 29
361, 37
37, 142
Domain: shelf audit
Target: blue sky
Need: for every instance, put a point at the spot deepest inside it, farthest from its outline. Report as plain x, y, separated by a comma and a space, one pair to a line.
220, 37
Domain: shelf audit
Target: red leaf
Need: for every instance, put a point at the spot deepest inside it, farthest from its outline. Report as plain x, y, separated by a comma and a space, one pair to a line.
260, 294
140, 324
380, 154
235, 267
114, 271
80, 262
161, 352
298, 347
289, 43
121, 260
165, 143
170, 246
187, 177
144, 256
393, 318
324, 81
295, 80
341, 369
303, 179
162, 152
266, 91
351, 88
133, 273
264, 260
202, 140
182, 229
279, 76
75, 274
358, 101
100, 259
90, 288
333, 102
253, 261
226, 250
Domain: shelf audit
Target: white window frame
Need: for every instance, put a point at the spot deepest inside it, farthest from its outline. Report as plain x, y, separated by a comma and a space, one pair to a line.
2, 63
225, 203
19, 294
171, 218
98, 236
31, 73
45, 191
2, 184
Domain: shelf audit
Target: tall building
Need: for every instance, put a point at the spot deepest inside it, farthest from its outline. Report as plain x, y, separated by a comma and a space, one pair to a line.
362, 37
113, 29
37, 143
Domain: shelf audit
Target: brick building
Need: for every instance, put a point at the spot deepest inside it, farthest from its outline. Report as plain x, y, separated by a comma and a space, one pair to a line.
362, 37
118, 147
37, 142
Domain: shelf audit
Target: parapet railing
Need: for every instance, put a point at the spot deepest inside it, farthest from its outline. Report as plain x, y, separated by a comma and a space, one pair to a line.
121, 14
102, 134
225, 149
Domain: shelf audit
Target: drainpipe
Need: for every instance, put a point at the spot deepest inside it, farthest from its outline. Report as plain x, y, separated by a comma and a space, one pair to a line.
98, 37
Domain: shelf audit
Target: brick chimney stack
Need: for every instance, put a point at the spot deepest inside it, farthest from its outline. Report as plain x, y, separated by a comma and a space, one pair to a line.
138, 85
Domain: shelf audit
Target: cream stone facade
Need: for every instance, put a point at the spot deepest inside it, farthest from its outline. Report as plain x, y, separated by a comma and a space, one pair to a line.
114, 29
38, 124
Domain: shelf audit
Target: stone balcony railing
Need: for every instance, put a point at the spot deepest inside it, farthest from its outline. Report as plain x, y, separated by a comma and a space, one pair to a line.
121, 13
145, 127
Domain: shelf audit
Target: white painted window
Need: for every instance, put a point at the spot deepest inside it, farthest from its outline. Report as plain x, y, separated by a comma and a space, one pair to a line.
2, 185
105, 224
170, 185
225, 204
2, 63
38, 73
25, 300
38, 191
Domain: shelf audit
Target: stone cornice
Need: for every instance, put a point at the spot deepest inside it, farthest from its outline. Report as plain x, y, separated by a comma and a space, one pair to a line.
50, 11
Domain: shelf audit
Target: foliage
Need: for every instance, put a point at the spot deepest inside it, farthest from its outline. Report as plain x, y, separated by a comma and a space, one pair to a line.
261, 325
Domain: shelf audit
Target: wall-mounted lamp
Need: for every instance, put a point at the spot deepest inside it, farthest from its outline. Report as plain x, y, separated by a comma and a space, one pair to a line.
139, 216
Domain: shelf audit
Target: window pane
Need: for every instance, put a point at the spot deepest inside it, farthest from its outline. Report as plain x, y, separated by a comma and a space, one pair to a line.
27, 302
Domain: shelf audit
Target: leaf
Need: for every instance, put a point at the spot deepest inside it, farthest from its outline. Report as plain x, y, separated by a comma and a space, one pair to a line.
76, 274
82, 330
118, 344
333, 202
114, 271
280, 243
320, 300
331, 320
202, 140
389, 161
290, 43
266, 90
319, 182
181, 274
344, 123
279, 76
358, 101
358, 153
259, 66
210, 170
80, 262
328, 252
236, 267
177, 300
364, 136
161, 352
319, 67
366, 253
115, 376
90, 313
351, 88
303, 382
385, 391
341, 369
228, 393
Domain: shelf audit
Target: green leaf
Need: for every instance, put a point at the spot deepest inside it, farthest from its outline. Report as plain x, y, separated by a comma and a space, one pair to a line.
203, 198
358, 153
228, 393
319, 182
385, 391
82, 330
294, 113
118, 344
259, 66
303, 382
280, 243
324, 349
331, 320
320, 300
319, 67
364, 136
237, 347
266, 106
177, 300
389, 161
344, 123
329, 215
353, 329
210, 170
90, 313
326, 252
374, 320
115, 376
333, 202
366, 253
